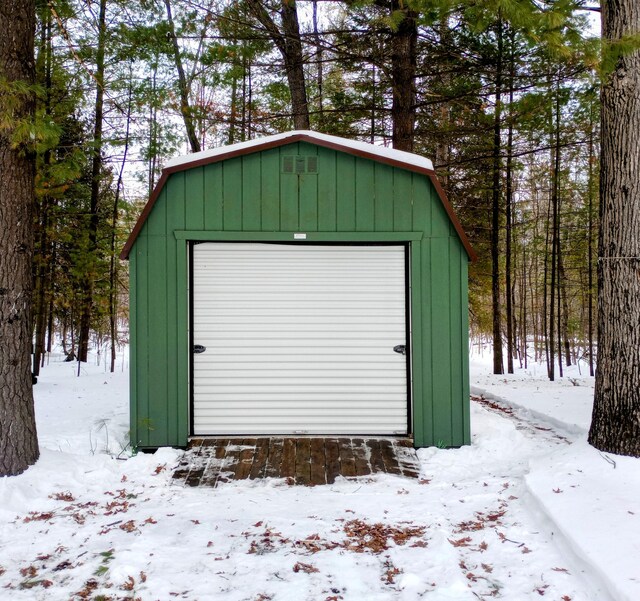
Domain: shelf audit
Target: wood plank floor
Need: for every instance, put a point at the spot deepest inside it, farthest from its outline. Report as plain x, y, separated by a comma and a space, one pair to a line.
308, 461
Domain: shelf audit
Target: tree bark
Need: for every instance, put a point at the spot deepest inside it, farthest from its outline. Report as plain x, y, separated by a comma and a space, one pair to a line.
86, 308
592, 160
556, 222
615, 425
404, 42
290, 47
555, 162
18, 439
509, 216
498, 367
113, 258
443, 143
42, 283
319, 66
183, 85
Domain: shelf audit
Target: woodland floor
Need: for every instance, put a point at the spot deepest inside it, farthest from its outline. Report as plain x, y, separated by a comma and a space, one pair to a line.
503, 518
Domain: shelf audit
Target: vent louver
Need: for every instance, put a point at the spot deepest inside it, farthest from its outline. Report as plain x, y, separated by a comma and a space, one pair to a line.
300, 164
287, 164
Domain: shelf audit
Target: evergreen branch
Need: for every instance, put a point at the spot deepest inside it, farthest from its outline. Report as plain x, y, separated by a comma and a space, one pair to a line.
615, 50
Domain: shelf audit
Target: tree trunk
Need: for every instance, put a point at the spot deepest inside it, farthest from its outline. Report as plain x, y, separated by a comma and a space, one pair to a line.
556, 231
294, 64
153, 129
523, 304
555, 162
42, 284
86, 308
562, 298
592, 160
546, 327
615, 425
443, 145
290, 47
183, 84
233, 111
319, 66
113, 259
509, 203
404, 41
498, 367
18, 439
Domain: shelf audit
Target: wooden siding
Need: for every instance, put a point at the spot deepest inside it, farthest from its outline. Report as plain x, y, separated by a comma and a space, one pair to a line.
350, 199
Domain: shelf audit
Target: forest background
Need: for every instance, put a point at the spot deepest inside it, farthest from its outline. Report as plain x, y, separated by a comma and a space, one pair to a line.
502, 95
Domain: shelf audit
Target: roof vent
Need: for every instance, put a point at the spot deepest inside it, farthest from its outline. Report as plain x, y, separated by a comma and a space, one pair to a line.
299, 164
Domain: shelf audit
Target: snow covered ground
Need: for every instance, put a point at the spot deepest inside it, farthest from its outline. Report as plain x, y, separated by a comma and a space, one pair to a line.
528, 511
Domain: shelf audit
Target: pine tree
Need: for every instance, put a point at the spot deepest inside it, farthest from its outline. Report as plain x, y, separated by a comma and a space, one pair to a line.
615, 425
18, 439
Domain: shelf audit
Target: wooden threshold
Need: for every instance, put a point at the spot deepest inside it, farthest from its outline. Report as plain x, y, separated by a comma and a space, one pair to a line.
302, 460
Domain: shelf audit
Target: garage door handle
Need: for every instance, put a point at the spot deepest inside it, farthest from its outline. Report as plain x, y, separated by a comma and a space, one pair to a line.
198, 348
400, 348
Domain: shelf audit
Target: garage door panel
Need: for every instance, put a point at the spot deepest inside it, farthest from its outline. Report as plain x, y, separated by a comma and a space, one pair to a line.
298, 321
302, 365
299, 339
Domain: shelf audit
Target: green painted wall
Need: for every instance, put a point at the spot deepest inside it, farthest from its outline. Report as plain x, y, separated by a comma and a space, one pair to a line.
248, 198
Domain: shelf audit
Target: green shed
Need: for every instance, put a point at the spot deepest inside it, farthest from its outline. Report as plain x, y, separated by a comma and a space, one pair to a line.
299, 284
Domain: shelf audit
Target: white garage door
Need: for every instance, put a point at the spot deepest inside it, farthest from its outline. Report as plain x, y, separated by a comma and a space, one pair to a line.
299, 339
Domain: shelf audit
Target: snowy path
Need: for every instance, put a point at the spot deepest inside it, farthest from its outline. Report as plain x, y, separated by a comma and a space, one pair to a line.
76, 527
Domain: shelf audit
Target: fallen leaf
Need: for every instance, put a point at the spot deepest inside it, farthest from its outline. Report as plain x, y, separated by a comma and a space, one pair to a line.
307, 568
35, 516
63, 565
129, 584
129, 526
461, 542
62, 496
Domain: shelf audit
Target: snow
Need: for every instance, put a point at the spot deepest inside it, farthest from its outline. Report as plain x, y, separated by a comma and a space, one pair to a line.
566, 402
401, 156
529, 510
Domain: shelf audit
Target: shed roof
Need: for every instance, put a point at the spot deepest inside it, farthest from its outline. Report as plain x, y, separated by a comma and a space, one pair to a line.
352, 146
381, 154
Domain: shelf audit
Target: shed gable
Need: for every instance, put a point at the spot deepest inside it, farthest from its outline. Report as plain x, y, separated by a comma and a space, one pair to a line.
319, 169
252, 193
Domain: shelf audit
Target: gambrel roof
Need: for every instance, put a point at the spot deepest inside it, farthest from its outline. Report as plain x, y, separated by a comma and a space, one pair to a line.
380, 154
